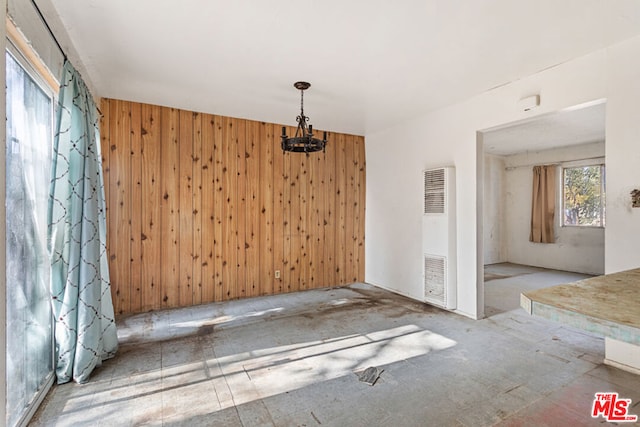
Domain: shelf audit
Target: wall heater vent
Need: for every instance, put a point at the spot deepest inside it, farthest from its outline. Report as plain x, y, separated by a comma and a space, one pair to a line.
434, 188
435, 280
439, 237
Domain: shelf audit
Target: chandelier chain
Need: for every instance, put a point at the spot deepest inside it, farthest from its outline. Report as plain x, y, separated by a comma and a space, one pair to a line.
303, 140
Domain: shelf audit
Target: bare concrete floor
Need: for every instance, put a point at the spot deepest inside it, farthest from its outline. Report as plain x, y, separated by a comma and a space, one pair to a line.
291, 360
505, 282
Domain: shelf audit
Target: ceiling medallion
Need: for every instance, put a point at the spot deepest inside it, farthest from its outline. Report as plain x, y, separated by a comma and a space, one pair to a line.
303, 141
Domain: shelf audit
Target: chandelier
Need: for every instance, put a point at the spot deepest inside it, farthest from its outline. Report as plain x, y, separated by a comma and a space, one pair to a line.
303, 141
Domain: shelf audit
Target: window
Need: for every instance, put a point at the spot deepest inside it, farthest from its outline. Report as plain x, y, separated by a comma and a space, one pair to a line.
29, 136
583, 193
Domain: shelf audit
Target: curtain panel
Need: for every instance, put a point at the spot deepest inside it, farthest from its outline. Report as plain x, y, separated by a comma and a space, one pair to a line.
543, 204
85, 330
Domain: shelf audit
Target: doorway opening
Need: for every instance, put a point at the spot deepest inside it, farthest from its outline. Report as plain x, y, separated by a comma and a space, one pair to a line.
570, 141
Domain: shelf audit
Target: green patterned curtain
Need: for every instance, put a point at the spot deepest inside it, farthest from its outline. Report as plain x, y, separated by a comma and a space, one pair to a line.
85, 331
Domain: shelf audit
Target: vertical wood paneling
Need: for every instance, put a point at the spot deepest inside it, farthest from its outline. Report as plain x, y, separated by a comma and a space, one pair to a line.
204, 208
105, 151
135, 289
253, 215
311, 225
120, 195
196, 217
288, 203
241, 206
329, 212
359, 201
185, 157
315, 221
341, 206
229, 194
266, 192
295, 220
302, 210
279, 207
210, 188
351, 267
151, 236
218, 212
169, 209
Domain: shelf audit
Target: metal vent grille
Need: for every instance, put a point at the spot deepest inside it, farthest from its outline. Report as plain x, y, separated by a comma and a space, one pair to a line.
434, 187
435, 280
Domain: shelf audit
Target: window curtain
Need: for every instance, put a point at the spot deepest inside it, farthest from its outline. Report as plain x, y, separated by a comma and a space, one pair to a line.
85, 330
543, 204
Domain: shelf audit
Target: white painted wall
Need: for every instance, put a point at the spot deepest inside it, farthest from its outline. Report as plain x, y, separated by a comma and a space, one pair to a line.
623, 155
494, 212
396, 157
577, 249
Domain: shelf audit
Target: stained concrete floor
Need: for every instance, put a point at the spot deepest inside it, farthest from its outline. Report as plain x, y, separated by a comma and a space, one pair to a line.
292, 360
505, 282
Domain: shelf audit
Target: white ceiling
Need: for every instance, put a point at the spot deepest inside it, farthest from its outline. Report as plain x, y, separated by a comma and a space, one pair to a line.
371, 63
560, 129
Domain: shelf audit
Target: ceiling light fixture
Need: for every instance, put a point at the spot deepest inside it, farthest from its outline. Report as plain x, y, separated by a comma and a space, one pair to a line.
303, 141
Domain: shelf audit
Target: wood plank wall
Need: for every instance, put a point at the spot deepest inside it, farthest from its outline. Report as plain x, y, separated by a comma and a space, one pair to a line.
204, 208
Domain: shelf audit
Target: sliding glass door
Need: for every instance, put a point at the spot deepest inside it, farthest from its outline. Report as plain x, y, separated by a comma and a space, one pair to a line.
28, 159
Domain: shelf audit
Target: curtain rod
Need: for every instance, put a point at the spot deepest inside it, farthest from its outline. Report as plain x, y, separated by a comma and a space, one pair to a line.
46, 24
553, 163
55, 39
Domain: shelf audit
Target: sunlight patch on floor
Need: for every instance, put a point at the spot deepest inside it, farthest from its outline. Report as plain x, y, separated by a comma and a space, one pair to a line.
280, 369
244, 377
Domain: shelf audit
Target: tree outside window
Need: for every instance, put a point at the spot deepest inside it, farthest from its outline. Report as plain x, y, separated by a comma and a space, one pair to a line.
583, 194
